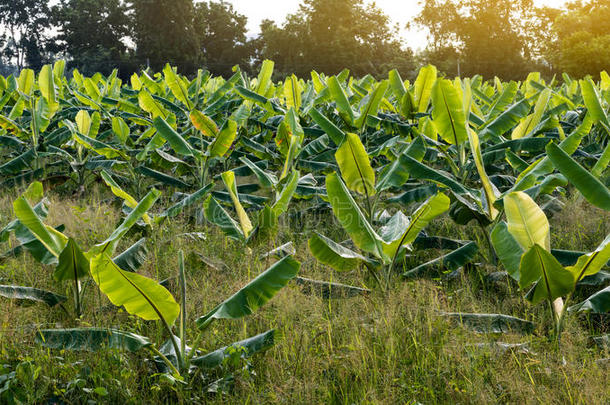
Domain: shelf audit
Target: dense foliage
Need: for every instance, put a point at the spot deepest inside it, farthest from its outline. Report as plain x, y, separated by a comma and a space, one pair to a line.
500, 38
381, 158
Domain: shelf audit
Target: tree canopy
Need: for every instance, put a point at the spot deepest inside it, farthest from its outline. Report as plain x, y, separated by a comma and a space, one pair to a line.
487, 37
330, 35
582, 45
504, 38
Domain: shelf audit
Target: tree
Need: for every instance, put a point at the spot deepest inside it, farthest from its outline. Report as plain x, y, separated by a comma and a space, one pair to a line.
92, 33
23, 25
221, 32
487, 37
164, 32
582, 43
329, 35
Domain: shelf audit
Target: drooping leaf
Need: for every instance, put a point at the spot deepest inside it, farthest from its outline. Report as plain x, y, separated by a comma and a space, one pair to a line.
334, 133
285, 195
54, 241
449, 262
176, 141
266, 179
218, 216
492, 323
396, 173
91, 339
255, 294
420, 171
31, 294
508, 250
407, 233
328, 290
109, 245
330, 253
119, 192
590, 263
187, 201
252, 345
161, 177
598, 303
133, 257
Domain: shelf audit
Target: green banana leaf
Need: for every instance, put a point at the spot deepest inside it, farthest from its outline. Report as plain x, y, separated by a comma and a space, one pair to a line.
73, 265
526, 222
591, 188
91, 339
355, 166
449, 262
598, 303
252, 345
141, 296
109, 245
551, 280
351, 217
448, 112
31, 294
255, 294
332, 254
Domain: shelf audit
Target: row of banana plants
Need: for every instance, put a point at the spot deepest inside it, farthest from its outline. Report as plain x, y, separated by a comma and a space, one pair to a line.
246, 153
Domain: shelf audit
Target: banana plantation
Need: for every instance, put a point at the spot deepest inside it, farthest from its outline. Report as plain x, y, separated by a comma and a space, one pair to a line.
328, 239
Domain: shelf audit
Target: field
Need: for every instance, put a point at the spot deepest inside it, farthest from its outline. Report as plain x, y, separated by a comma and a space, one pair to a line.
330, 240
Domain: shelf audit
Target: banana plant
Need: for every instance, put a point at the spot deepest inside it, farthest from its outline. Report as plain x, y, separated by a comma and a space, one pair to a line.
54, 247
148, 300
35, 103
268, 217
524, 248
380, 249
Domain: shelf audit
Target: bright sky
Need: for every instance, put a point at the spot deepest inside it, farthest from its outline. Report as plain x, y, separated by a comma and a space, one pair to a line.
400, 11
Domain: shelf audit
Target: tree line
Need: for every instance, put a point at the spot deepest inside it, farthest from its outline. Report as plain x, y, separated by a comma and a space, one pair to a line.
504, 38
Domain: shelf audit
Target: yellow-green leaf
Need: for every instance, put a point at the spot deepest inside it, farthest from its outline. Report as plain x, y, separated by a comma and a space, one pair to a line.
229, 179
140, 295
526, 221
355, 166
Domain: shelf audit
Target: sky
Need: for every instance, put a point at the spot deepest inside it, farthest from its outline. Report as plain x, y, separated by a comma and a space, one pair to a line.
400, 11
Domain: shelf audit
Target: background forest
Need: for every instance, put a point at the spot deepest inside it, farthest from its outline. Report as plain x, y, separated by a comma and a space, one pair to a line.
500, 38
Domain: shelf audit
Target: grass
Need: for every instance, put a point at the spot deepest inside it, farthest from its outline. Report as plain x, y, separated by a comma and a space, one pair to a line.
368, 349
